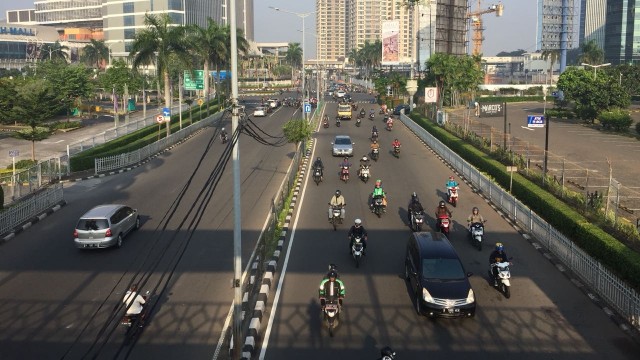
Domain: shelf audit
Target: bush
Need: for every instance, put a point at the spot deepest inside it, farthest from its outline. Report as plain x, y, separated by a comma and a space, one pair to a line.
560, 113
65, 125
616, 119
638, 127
1, 197
492, 99
23, 164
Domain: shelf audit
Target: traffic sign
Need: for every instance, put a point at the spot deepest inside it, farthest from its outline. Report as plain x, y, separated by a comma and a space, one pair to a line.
159, 119
200, 102
535, 120
166, 111
14, 153
554, 93
194, 84
307, 108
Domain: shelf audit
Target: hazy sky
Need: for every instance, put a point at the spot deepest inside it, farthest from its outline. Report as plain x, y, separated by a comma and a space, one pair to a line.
516, 29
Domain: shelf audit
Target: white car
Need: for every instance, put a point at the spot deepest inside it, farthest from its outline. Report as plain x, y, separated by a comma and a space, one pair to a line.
341, 93
259, 111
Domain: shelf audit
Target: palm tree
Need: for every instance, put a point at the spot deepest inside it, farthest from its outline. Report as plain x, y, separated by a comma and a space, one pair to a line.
591, 53
160, 42
210, 46
95, 53
294, 54
552, 57
55, 51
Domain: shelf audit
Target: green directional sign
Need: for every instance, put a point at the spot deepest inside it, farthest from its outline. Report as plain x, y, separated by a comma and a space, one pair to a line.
194, 84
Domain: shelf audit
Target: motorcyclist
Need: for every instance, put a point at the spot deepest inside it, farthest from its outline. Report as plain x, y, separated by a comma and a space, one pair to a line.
133, 301
497, 255
387, 353
364, 161
451, 183
318, 165
337, 200
414, 206
362, 112
331, 279
379, 192
344, 164
441, 211
372, 113
223, 135
357, 230
374, 132
475, 217
395, 143
389, 122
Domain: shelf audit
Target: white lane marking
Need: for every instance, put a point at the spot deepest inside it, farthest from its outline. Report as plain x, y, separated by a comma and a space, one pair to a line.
527, 128
276, 300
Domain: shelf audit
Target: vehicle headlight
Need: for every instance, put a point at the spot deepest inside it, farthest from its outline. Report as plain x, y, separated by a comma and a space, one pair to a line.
426, 296
471, 297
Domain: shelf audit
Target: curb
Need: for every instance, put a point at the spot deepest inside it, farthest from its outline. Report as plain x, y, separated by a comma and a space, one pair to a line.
249, 347
620, 321
31, 222
129, 168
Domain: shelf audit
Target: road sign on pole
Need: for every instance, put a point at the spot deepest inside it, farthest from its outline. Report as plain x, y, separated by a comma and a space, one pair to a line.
159, 118
14, 153
307, 108
166, 112
191, 83
535, 120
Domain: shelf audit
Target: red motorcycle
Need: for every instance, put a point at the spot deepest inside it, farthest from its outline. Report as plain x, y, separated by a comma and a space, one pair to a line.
443, 224
344, 173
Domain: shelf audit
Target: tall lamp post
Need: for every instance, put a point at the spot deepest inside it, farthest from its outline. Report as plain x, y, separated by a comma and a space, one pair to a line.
302, 16
595, 68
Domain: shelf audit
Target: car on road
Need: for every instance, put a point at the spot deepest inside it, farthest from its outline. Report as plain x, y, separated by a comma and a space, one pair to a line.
259, 111
342, 146
273, 103
340, 93
105, 226
344, 111
437, 278
406, 107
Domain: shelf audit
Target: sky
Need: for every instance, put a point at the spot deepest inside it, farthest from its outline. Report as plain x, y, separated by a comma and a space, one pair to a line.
515, 30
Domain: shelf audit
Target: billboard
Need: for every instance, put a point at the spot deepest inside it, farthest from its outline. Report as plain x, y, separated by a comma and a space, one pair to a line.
491, 109
390, 40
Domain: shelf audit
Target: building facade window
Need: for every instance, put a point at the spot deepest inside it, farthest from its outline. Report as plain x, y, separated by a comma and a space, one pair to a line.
127, 8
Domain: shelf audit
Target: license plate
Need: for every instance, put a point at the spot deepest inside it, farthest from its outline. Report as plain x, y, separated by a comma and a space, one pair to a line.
452, 311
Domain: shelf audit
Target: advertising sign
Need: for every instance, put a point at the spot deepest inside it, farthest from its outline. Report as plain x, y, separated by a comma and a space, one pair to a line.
535, 120
491, 109
390, 42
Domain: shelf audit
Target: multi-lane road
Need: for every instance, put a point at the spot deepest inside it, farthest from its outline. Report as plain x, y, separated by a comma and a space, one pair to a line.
55, 299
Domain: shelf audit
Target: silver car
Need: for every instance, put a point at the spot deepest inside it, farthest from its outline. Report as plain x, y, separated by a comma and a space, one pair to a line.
342, 146
105, 226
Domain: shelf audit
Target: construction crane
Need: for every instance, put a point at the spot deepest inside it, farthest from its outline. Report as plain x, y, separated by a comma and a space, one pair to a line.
476, 23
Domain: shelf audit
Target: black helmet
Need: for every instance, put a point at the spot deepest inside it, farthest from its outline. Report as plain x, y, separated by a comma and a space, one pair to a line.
318, 159
387, 353
338, 192
332, 274
414, 196
475, 210
441, 204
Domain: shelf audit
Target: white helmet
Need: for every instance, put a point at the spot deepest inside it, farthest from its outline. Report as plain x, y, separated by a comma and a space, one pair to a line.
358, 221
222, 129
364, 158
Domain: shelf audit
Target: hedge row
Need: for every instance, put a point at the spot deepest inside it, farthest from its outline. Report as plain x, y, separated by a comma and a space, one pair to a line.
133, 141
509, 99
593, 240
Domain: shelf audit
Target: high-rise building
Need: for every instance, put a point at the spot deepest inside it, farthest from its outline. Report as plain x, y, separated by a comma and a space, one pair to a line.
592, 21
69, 13
333, 29
622, 26
550, 27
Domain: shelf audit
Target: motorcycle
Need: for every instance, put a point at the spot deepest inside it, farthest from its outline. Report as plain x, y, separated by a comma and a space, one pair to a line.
374, 154
417, 219
358, 122
134, 322
396, 151
378, 207
503, 280
374, 136
325, 124
443, 224
331, 313
364, 173
362, 114
317, 175
338, 122
452, 195
389, 126
336, 220
372, 116
357, 250
476, 231
344, 173
224, 138
381, 112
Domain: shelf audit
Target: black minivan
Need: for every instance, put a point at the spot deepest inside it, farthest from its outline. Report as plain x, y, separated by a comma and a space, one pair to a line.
437, 278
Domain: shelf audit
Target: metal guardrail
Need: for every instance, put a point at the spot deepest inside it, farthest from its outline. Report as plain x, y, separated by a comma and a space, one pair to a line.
122, 160
28, 208
619, 295
26, 181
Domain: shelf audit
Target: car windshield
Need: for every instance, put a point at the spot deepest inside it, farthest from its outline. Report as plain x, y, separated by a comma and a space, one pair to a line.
343, 141
92, 224
344, 108
443, 269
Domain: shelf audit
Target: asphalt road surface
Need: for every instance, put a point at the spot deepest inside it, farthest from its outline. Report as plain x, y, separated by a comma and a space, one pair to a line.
55, 299
547, 316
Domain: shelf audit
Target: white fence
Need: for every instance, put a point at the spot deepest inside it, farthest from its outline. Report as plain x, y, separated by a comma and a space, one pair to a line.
607, 285
122, 160
30, 207
27, 181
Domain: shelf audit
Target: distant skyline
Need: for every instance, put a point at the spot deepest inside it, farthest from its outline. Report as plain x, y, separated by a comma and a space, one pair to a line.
516, 29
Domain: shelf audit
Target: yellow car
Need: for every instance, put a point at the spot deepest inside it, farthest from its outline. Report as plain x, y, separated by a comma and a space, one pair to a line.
344, 111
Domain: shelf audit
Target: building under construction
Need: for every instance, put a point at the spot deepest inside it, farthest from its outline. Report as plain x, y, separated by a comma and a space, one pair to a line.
451, 27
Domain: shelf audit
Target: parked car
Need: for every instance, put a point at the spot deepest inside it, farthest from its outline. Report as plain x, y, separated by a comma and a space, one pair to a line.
105, 226
342, 146
437, 278
406, 107
259, 111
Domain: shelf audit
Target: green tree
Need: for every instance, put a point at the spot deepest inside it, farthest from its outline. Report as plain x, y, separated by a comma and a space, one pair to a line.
95, 54
158, 43
36, 102
54, 52
118, 76
551, 56
297, 130
293, 55
7, 100
72, 83
453, 74
209, 45
591, 53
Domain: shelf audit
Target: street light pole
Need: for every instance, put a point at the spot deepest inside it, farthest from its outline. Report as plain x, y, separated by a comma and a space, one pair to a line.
595, 68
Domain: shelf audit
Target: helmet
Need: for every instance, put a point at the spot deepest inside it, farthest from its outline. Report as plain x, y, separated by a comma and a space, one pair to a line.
378, 182
319, 158
387, 353
414, 196
499, 247
358, 222
364, 158
338, 193
395, 140
332, 274
441, 204
475, 210
222, 129
375, 141
451, 177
